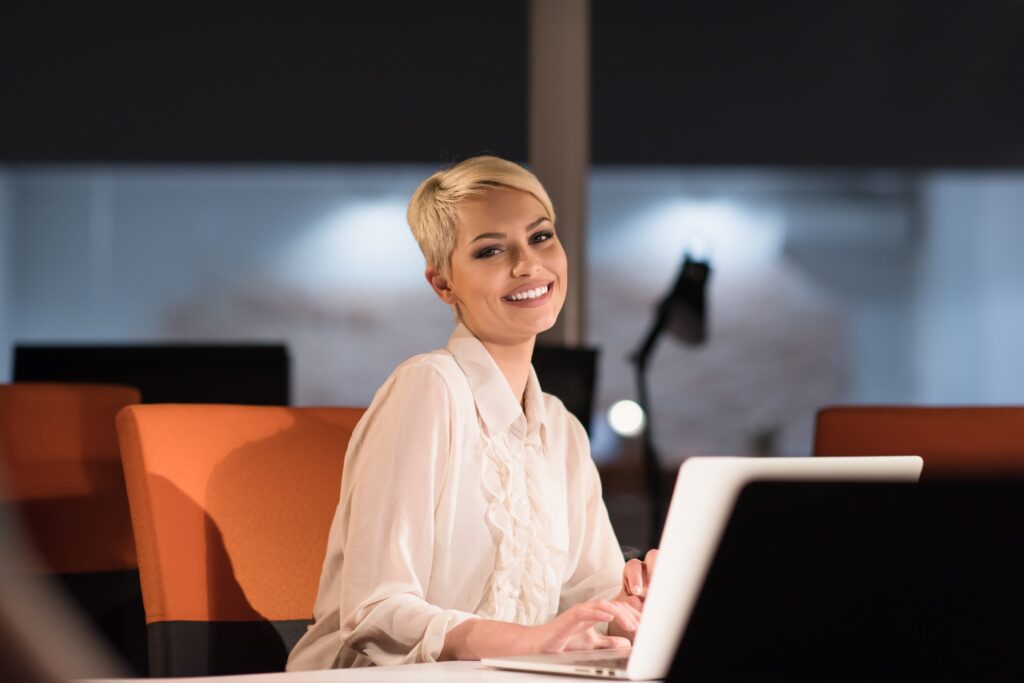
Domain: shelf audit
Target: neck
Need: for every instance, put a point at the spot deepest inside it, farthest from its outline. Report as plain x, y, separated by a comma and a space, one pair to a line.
513, 360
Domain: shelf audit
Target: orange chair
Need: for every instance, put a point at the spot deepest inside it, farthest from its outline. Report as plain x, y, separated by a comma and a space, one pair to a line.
954, 442
58, 447
231, 507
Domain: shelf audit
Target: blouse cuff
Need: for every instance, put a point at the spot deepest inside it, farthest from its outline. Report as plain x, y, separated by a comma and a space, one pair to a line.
438, 627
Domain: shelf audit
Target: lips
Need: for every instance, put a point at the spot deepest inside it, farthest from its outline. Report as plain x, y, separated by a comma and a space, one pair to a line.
529, 292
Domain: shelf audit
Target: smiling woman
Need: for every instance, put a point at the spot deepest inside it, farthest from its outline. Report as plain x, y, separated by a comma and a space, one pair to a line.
507, 285
471, 521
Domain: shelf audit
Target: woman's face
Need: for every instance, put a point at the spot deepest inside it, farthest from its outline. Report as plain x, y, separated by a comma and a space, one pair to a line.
508, 269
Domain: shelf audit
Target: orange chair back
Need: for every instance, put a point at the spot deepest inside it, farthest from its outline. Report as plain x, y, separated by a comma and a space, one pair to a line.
59, 448
231, 506
954, 442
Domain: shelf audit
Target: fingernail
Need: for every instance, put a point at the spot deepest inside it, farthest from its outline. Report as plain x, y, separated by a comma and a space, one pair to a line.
637, 588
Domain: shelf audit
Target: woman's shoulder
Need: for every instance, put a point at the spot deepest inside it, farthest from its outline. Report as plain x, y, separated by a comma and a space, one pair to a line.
559, 419
436, 370
424, 387
555, 410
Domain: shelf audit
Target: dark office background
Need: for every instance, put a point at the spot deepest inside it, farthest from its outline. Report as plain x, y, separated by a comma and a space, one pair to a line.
907, 83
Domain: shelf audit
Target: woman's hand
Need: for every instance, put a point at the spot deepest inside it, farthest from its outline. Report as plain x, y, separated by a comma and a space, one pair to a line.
636, 579
636, 576
573, 629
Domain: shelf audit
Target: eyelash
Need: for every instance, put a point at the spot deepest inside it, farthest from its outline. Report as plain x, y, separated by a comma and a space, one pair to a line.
539, 237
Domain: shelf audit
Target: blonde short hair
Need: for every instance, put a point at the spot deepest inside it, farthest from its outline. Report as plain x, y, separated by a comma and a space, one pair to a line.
433, 207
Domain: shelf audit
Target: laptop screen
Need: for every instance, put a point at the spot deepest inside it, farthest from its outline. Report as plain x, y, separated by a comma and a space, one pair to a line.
881, 581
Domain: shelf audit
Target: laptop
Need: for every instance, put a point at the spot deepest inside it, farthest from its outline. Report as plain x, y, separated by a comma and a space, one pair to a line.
838, 582
702, 501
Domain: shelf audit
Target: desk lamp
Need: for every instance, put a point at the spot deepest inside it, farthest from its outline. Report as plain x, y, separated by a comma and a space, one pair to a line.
683, 313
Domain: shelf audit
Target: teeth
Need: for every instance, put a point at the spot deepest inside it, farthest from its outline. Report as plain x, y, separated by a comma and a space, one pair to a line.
530, 294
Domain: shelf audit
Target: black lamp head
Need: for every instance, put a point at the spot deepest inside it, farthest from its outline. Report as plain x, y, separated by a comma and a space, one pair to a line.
686, 304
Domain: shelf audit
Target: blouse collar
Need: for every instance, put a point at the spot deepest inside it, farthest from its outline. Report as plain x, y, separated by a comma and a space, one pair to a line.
495, 401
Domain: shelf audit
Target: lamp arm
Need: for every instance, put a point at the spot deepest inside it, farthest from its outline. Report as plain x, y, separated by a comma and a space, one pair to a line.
652, 470
643, 354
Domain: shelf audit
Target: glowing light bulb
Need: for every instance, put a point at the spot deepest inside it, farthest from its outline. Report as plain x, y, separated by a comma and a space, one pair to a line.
626, 418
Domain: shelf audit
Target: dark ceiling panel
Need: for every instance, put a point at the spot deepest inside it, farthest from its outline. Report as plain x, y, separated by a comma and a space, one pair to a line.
868, 83
282, 81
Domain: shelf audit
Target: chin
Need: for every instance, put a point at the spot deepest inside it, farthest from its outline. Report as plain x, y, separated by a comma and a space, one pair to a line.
544, 324
519, 330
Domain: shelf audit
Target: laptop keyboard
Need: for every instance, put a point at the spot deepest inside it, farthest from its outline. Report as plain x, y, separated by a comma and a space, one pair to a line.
609, 663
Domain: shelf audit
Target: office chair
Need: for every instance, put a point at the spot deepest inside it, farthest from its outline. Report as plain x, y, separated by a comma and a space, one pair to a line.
231, 507
954, 441
249, 374
570, 374
64, 483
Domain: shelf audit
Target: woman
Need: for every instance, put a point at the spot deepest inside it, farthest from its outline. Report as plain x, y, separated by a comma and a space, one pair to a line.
471, 522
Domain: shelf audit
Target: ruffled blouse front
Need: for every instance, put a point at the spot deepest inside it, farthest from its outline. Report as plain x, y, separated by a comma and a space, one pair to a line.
457, 503
524, 585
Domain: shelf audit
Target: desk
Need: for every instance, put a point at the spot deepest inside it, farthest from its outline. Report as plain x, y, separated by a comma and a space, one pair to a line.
439, 671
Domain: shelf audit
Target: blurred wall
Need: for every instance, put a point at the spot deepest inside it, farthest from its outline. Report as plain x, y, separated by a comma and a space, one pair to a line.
828, 286
807, 301
5, 269
320, 258
970, 284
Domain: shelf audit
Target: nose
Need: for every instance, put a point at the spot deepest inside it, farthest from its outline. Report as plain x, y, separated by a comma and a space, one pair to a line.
526, 263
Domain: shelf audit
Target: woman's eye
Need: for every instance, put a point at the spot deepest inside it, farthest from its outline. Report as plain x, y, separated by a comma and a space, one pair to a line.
542, 236
487, 251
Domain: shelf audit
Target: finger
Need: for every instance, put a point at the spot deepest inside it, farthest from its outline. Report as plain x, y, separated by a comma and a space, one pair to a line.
590, 640
609, 642
631, 604
625, 616
569, 633
633, 578
634, 609
650, 560
568, 640
636, 605
589, 612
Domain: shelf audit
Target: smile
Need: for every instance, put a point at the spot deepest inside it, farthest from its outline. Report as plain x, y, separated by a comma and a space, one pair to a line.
535, 293
535, 296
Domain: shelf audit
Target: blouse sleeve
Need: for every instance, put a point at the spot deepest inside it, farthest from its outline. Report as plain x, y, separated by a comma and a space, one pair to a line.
393, 476
597, 572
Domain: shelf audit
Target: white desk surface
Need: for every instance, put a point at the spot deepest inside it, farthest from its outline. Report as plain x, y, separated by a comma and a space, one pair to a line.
439, 671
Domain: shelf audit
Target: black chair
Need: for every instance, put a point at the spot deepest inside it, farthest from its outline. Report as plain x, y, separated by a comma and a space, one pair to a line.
247, 374
570, 374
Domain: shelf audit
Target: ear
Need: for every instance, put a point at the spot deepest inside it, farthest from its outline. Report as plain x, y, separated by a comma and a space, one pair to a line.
441, 286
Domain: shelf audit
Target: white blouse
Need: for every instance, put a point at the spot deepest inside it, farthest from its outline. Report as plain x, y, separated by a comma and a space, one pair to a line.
455, 504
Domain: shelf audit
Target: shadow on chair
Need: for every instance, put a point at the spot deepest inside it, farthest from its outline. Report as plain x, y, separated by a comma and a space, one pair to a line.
231, 507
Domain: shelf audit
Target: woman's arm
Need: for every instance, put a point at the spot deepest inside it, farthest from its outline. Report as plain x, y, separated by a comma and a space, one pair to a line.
569, 631
595, 559
599, 570
396, 464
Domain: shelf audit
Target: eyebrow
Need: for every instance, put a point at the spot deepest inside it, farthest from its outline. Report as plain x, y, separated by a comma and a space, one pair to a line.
502, 235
